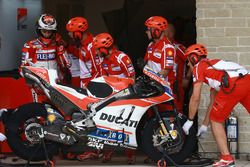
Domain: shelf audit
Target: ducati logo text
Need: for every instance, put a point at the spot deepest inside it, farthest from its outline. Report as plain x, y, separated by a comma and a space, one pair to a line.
118, 120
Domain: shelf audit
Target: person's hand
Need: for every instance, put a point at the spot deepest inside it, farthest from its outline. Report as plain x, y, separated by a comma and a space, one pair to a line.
2, 137
188, 124
67, 76
202, 131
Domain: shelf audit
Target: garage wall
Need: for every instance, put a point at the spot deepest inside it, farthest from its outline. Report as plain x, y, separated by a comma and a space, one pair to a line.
11, 39
224, 27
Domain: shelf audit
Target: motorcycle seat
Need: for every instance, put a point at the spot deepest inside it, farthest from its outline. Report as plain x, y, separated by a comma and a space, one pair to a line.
99, 89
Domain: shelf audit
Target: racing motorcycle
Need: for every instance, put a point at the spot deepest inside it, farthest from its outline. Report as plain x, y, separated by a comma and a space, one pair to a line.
110, 112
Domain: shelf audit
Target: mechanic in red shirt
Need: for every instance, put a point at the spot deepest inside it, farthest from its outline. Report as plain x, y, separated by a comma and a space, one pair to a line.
229, 84
160, 53
81, 49
46, 51
115, 62
180, 68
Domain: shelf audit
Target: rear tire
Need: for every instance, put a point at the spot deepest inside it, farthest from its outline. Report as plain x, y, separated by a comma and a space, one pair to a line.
153, 153
15, 133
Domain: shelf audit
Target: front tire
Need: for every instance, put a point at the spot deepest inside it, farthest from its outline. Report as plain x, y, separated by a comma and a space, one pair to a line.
17, 139
155, 154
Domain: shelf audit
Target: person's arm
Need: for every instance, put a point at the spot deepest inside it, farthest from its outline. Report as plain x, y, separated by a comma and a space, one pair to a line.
186, 79
203, 128
193, 106
195, 100
164, 72
213, 93
167, 61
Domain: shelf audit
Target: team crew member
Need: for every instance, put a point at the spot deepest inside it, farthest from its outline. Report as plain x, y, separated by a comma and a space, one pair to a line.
229, 84
179, 67
46, 51
90, 63
115, 62
160, 52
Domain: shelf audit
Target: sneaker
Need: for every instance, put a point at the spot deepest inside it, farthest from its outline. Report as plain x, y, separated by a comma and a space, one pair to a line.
148, 160
131, 159
70, 156
224, 163
107, 156
87, 155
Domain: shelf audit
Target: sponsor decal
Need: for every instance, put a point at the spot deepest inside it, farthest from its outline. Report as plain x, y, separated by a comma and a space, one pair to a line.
110, 143
104, 65
45, 56
169, 57
96, 143
22, 18
170, 53
118, 120
51, 118
130, 65
99, 144
109, 135
157, 54
131, 69
62, 136
42, 75
126, 146
48, 19
116, 68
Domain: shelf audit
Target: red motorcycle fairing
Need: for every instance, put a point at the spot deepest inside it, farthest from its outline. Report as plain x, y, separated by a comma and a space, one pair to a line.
41, 72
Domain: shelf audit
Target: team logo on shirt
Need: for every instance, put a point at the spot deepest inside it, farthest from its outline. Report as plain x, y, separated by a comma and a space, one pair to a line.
45, 56
170, 58
131, 69
157, 54
117, 68
150, 50
170, 53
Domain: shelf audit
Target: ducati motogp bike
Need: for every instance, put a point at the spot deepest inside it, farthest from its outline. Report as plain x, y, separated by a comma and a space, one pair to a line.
110, 112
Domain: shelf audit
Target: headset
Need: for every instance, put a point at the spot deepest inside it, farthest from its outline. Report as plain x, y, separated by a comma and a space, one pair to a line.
155, 33
194, 58
103, 51
77, 35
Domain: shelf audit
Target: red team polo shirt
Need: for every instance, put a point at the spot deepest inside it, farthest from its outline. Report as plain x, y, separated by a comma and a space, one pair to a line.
210, 72
160, 56
118, 64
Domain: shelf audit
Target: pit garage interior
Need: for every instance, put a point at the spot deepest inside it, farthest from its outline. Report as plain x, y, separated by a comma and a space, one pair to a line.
123, 19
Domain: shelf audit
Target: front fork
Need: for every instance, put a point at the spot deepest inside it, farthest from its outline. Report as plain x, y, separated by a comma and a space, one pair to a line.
165, 127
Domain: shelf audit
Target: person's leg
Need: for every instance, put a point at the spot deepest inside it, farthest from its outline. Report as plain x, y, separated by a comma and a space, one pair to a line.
221, 109
130, 156
107, 155
246, 102
220, 137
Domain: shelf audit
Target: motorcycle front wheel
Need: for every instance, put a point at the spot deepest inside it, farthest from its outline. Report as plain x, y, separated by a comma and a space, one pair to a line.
21, 131
178, 149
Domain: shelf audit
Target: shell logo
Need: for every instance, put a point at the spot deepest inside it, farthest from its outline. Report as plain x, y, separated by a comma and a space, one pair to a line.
170, 53
51, 118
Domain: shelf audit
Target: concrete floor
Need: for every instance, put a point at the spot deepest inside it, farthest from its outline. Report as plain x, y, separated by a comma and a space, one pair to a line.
117, 160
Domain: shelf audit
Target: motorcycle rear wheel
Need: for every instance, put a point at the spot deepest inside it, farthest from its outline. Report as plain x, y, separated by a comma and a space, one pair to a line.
178, 157
16, 138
